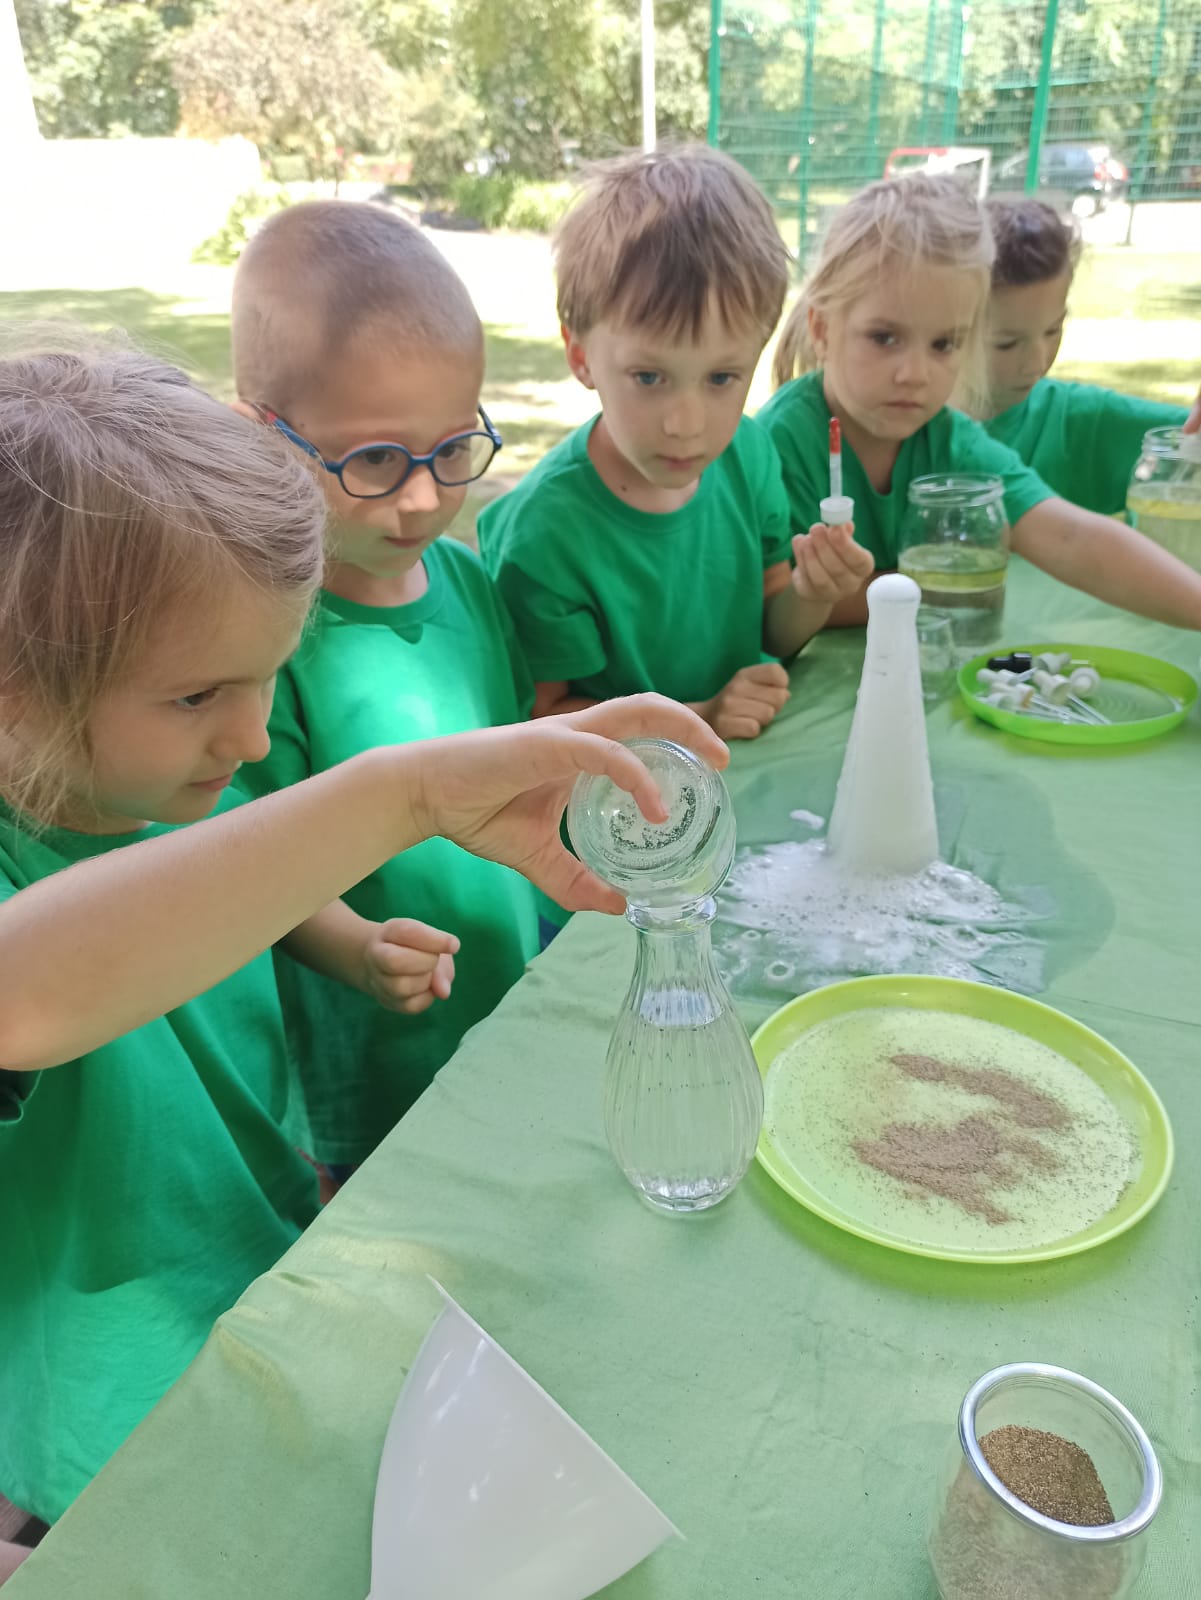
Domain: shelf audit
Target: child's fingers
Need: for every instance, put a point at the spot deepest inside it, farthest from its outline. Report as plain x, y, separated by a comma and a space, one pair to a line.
1192, 423
443, 978
415, 935
769, 673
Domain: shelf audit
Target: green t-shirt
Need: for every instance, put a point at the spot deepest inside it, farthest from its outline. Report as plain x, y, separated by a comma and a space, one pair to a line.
798, 419
142, 1188
1081, 440
374, 675
613, 600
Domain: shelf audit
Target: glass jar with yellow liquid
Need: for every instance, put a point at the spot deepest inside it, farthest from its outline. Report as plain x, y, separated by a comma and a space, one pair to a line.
955, 545
1164, 497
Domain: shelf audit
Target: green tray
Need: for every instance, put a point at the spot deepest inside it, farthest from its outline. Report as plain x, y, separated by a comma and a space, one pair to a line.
1141, 695
790, 1140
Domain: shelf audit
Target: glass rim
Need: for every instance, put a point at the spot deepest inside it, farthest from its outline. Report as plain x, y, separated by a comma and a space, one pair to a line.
1101, 1534
1172, 441
968, 488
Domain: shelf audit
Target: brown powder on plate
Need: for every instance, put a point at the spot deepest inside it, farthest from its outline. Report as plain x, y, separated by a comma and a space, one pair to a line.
959, 1163
1050, 1474
962, 1162
1029, 1107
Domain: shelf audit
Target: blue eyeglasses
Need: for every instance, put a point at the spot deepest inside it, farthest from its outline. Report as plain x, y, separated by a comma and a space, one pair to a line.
374, 471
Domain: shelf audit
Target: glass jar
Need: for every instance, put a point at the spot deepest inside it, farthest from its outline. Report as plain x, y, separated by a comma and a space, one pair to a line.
1164, 497
955, 546
985, 1542
683, 1094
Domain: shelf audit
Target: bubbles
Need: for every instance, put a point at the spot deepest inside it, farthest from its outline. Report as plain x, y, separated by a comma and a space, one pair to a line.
791, 918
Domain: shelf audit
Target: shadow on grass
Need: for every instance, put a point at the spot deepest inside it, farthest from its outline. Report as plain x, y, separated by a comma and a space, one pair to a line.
196, 341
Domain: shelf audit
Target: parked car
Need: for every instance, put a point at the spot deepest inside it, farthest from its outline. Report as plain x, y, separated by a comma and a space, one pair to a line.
1081, 178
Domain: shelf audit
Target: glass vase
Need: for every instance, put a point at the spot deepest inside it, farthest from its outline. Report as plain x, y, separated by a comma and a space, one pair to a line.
683, 1093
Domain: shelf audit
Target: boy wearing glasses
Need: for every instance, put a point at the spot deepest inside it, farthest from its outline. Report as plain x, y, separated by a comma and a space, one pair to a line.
651, 549
354, 338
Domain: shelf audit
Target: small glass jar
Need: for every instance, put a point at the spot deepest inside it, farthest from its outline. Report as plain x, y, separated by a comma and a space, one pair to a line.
955, 546
936, 654
1164, 497
683, 1093
985, 1542
678, 863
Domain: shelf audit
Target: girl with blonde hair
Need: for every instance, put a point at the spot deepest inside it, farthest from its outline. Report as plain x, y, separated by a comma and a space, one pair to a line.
889, 326
160, 554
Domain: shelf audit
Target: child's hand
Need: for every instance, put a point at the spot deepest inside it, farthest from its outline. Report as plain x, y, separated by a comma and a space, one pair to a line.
830, 566
408, 965
748, 702
1192, 423
501, 793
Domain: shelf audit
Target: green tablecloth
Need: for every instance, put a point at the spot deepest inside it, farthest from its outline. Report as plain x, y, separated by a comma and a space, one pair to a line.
782, 1390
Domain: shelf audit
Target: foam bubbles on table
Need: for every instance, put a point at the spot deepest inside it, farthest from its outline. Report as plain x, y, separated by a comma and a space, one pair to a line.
791, 918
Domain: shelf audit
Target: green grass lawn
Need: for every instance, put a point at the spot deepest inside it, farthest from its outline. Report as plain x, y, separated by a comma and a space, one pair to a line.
1138, 329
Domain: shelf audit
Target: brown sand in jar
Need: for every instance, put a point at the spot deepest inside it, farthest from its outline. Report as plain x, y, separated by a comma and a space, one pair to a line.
1049, 1474
980, 1552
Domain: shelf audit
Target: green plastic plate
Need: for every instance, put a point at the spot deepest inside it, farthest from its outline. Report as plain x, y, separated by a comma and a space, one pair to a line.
788, 1143
1141, 695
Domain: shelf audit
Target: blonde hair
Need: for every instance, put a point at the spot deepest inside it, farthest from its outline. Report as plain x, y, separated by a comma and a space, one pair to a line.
659, 240
318, 277
126, 494
896, 225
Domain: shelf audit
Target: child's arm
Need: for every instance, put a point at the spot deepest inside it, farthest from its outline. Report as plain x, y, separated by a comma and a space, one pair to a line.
555, 699
108, 944
830, 568
1109, 560
401, 964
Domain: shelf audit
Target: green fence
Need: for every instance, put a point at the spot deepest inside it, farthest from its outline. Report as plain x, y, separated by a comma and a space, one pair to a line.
1088, 102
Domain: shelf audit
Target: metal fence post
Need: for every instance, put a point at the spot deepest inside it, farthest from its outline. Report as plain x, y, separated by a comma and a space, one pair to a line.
714, 71
928, 71
873, 110
811, 11
950, 109
1042, 97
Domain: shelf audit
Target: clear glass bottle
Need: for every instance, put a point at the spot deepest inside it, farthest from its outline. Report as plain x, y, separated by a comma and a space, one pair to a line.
683, 1093
955, 545
984, 1541
1164, 497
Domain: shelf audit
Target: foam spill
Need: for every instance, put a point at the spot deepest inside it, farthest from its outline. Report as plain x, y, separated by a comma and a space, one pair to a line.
791, 918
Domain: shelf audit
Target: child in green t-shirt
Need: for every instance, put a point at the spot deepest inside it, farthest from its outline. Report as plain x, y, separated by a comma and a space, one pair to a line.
160, 555
650, 549
1081, 439
354, 337
889, 324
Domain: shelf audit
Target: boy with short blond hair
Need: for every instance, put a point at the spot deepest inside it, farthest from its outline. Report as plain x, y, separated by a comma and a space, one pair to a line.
650, 548
353, 337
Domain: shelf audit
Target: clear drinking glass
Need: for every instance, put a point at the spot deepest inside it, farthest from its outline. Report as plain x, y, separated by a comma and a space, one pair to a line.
1164, 498
936, 653
955, 545
683, 1094
985, 1542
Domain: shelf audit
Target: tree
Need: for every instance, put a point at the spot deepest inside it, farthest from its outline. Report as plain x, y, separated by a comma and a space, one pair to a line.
101, 68
295, 76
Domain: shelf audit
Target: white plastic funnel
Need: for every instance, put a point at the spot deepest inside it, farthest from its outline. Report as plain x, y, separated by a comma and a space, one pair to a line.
488, 1490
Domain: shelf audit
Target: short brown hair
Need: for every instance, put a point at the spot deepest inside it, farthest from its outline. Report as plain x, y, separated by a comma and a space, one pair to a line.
657, 240
320, 275
125, 492
1033, 242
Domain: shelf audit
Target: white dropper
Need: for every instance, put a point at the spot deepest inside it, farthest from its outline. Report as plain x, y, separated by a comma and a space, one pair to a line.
837, 507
